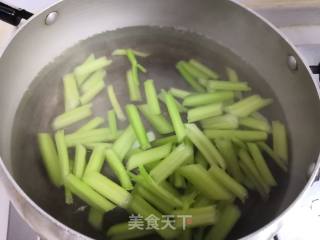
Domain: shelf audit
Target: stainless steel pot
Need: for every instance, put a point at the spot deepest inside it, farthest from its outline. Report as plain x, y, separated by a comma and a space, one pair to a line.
222, 32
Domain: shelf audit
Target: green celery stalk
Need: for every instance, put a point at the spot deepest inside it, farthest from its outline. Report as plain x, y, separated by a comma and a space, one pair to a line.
151, 96
87, 194
228, 218
200, 159
91, 93
96, 77
124, 143
118, 168
168, 187
122, 231
132, 152
135, 75
71, 93
202, 181
263, 146
204, 112
162, 98
229, 183
178, 181
245, 135
123, 52
207, 149
137, 125
80, 161
159, 122
96, 161
142, 68
112, 122
92, 124
189, 197
107, 188
62, 153
225, 122
91, 146
132, 58
81, 79
134, 90
254, 123
202, 201
95, 218
279, 140
228, 86
195, 72
181, 67
148, 156
233, 77
209, 72
259, 116
175, 117
238, 143
172, 162
50, 158
199, 99
162, 141
115, 103
72, 116
151, 165
261, 165
179, 93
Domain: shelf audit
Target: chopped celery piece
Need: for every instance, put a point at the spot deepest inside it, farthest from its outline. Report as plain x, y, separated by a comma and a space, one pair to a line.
226, 148
50, 158
228, 86
279, 140
179, 93
152, 199
80, 161
225, 122
132, 152
142, 68
202, 181
112, 122
151, 155
71, 93
83, 71
92, 124
87, 194
124, 143
253, 123
62, 153
167, 166
209, 72
115, 103
245, 135
91, 146
161, 141
134, 90
238, 143
91, 93
135, 76
90, 136
247, 106
118, 168
95, 218
207, 149
124, 52
261, 165
122, 231
94, 79
179, 181
204, 112
200, 159
203, 82
195, 72
259, 116
137, 125
229, 183
228, 218
201, 201
189, 197
199, 99
107, 188
263, 146
233, 77
84, 77
168, 187
162, 98
132, 58
72, 116
159, 122
203, 216
181, 67
151, 96
175, 117
96, 161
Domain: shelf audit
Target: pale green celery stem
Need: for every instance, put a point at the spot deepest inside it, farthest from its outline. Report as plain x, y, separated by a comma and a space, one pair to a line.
279, 139
195, 72
137, 125
254, 123
50, 158
176, 120
199, 99
80, 161
92, 124
68, 118
228, 86
92, 146
96, 161
245, 135
87, 194
204, 112
238, 143
178, 181
118, 168
93, 80
179, 93
167, 166
188, 77
204, 69
112, 122
132, 152
202, 181
81, 79
123, 52
224, 122
151, 165
159, 122
124, 143
162, 98
135, 75
71, 93
91, 93
134, 90
200, 159
115, 103
205, 146
273, 155
151, 97
107, 188
259, 116
168, 187
148, 156
95, 218
161, 141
